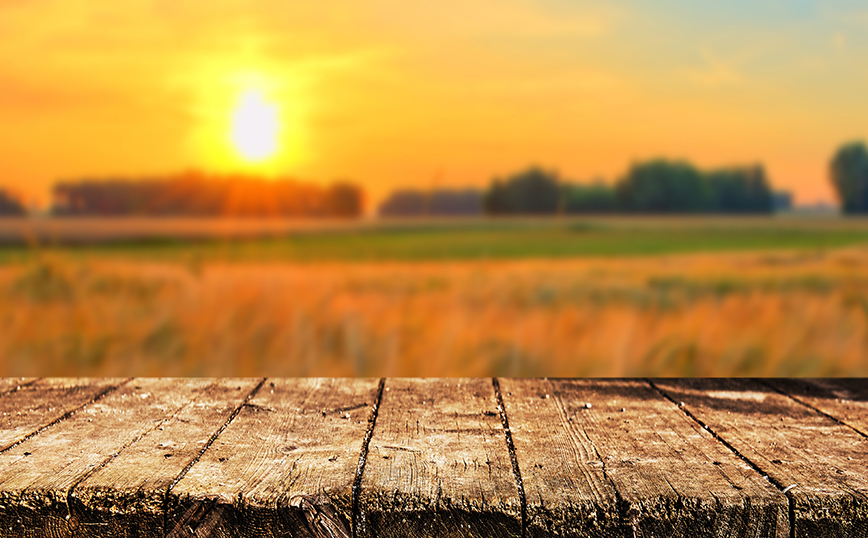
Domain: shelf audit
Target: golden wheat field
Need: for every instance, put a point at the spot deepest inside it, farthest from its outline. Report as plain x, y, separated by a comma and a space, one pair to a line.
724, 314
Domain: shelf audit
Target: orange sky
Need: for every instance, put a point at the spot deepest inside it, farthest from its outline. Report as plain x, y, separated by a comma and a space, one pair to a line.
412, 93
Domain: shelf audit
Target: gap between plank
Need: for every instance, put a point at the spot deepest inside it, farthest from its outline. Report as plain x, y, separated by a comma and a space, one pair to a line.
622, 505
70, 495
208, 444
68, 414
811, 407
519, 484
363, 458
754, 466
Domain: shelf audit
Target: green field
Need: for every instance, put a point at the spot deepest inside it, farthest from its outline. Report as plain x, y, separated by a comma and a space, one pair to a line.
480, 240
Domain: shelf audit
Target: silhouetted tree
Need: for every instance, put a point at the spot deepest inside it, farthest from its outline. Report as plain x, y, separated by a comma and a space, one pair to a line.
344, 200
195, 194
849, 174
739, 190
663, 186
10, 206
595, 197
403, 203
782, 201
440, 202
533, 191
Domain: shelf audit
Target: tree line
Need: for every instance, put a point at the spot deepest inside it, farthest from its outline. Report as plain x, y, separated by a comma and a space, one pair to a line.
849, 173
440, 202
194, 194
658, 186
10, 205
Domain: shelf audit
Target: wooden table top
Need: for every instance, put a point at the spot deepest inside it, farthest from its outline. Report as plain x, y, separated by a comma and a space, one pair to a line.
450, 457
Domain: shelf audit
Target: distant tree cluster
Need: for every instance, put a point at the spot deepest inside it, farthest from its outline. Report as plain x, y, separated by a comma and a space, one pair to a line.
532, 192
782, 201
439, 202
658, 186
595, 197
10, 206
662, 186
194, 194
849, 174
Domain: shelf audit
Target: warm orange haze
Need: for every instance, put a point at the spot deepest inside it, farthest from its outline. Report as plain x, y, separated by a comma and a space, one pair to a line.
540, 188
413, 94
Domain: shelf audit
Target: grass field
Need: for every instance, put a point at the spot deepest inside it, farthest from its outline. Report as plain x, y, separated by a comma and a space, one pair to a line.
203, 240
596, 297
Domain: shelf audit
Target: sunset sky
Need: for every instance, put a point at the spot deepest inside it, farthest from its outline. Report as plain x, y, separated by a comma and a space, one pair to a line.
419, 93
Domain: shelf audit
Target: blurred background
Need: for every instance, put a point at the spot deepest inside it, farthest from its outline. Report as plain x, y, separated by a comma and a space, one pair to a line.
525, 188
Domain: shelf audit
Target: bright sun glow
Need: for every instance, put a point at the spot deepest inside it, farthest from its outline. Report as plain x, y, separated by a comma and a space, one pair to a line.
255, 127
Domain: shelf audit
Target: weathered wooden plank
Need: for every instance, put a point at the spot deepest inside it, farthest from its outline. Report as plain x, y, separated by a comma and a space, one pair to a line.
11, 384
284, 467
127, 496
845, 400
566, 490
614, 458
37, 476
438, 463
821, 461
36, 405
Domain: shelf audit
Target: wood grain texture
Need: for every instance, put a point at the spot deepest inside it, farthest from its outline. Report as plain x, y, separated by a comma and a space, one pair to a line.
614, 458
11, 384
36, 405
284, 467
845, 400
126, 497
37, 476
822, 461
566, 490
438, 464
182, 458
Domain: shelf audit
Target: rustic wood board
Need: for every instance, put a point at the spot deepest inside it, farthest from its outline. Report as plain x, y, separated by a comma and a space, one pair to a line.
126, 497
438, 464
613, 457
824, 461
38, 475
845, 400
334, 458
284, 467
27, 408
11, 384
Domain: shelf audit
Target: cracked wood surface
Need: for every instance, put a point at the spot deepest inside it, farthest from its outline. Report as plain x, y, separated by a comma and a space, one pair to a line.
614, 458
438, 463
11, 384
284, 467
845, 400
127, 495
25, 408
38, 476
818, 461
183, 458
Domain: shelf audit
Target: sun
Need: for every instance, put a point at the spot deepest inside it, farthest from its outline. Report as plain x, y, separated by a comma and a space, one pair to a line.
255, 127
